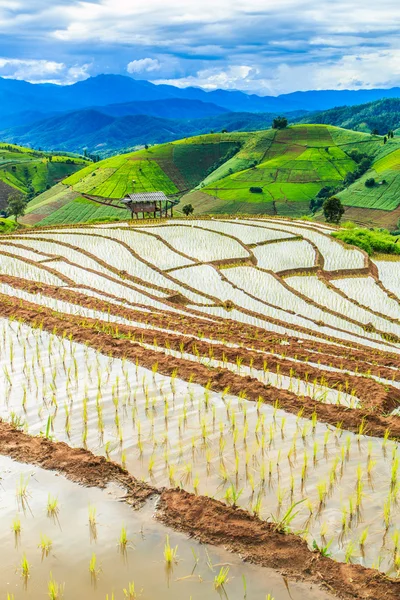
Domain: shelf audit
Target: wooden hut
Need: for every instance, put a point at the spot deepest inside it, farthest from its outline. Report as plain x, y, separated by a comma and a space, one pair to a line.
156, 204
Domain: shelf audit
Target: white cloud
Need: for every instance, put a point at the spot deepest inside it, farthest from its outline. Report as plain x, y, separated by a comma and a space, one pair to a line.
262, 46
143, 65
42, 71
234, 77
369, 70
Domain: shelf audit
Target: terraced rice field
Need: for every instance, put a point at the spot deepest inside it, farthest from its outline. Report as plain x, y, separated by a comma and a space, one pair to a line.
295, 165
237, 380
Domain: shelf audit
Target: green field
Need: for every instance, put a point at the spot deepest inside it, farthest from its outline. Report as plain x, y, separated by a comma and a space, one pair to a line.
31, 172
288, 166
382, 196
171, 168
82, 210
293, 165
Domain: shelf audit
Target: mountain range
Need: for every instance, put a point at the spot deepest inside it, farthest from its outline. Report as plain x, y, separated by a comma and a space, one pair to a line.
112, 113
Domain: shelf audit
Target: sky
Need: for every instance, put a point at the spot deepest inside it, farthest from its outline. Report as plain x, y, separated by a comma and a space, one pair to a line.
267, 47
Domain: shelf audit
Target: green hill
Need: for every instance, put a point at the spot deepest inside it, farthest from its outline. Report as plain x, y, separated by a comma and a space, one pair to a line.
30, 172
377, 204
263, 172
382, 115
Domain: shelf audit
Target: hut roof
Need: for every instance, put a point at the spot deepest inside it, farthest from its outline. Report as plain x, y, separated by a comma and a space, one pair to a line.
145, 197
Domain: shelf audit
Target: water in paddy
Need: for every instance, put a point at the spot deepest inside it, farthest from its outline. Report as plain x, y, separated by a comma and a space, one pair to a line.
73, 543
172, 432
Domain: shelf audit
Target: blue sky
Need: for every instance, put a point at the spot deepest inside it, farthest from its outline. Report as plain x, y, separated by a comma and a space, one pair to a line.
259, 46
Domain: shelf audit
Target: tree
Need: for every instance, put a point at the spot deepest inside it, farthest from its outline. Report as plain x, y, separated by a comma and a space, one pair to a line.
333, 209
370, 182
385, 139
188, 209
375, 132
349, 178
279, 123
16, 205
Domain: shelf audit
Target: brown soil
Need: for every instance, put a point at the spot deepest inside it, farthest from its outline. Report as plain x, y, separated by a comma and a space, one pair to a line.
350, 355
257, 541
77, 464
104, 338
208, 520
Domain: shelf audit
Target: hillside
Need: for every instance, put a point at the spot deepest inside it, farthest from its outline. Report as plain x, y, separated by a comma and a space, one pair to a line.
378, 204
173, 168
293, 165
382, 115
113, 129
30, 172
214, 172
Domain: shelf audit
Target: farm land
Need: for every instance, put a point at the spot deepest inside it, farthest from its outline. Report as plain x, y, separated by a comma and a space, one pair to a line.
275, 173
235, 380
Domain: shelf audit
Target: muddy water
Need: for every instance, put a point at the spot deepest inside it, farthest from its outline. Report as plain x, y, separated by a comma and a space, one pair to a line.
171, 432
74, 542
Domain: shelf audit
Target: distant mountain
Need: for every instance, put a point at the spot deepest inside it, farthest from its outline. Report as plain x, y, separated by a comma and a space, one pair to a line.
170, 108
381, 115
325, 99
104, 134
20, 96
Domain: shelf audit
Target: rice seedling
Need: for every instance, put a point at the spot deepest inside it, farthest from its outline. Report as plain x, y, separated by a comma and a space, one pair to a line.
170, 553
52, 506
323, 550
22, 489
123, 541
92, 514
221, 579
130, 592
283, 524
25, 567
94, 569
55, 590
16, 526
45, 545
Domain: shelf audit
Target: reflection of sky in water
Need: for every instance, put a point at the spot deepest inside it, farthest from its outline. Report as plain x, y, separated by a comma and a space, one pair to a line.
143, 563
171, 432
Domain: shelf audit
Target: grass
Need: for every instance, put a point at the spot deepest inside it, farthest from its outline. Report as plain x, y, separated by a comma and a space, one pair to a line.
7, 225
296, 164
25, 169
81, 210
372, 241
290, 167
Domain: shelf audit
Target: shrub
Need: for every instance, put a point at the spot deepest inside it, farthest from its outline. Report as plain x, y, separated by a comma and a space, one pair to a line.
187, 209
256, 190
370, 240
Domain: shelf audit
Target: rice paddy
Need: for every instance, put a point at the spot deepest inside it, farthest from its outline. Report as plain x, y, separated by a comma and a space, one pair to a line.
263, 172
251, 361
